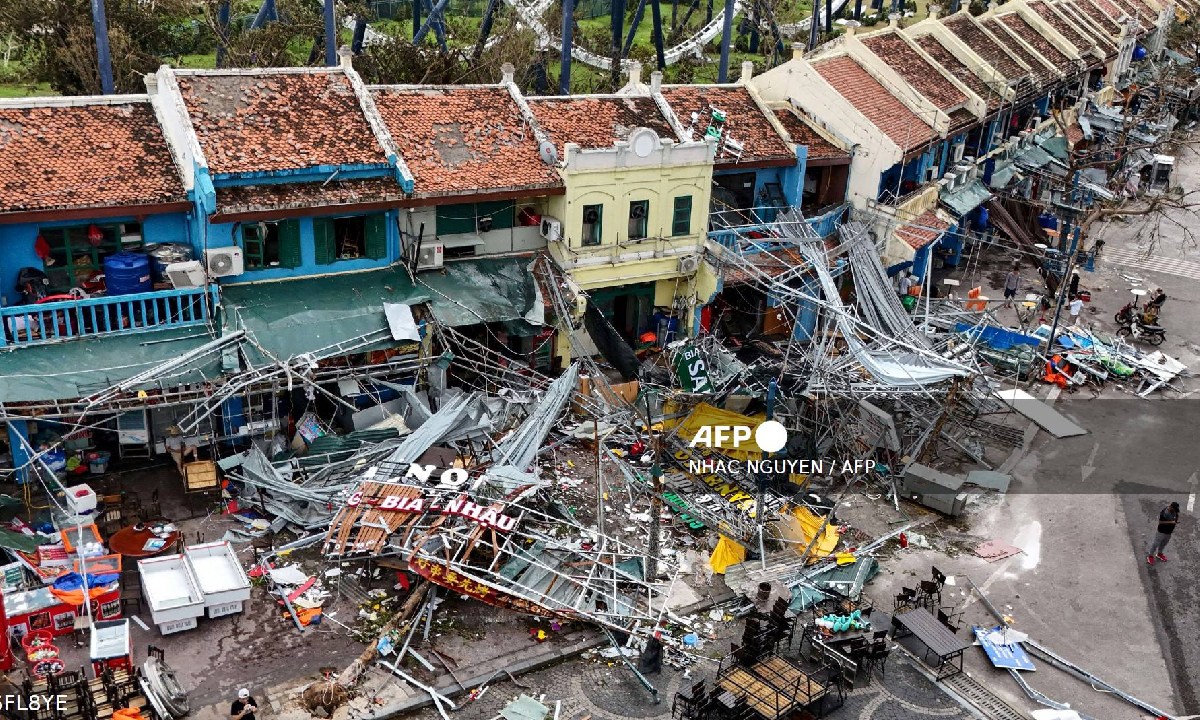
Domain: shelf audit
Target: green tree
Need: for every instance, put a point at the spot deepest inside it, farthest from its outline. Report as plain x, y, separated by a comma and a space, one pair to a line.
56, 43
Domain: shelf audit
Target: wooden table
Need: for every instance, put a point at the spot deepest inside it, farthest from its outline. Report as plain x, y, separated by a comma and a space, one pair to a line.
936, 637
772, 687
131, 541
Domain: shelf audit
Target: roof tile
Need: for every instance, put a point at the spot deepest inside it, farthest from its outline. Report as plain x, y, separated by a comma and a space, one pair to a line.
463, 139
291, 196
598, 121
1088, 26
916, 71
745, 121
84, 156
802, 134
1019, 25
278, 121
1099, 17
922, 230
1064, 28
873, 100
993, 53
951, 64
1039, 69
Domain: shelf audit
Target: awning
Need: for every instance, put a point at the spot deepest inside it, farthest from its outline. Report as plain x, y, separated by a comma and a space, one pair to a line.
77, 368
1057, 147
293, 317
923, 230
1034, 157
1002, 176
966, 198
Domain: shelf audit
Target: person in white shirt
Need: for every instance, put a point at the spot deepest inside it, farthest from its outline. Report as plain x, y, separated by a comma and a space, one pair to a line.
906, 282
1076, 308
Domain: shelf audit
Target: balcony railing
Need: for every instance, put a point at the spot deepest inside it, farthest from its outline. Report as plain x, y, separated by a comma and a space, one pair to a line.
50, 322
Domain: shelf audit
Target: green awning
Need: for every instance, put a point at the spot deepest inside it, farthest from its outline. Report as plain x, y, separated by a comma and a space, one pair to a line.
293, 317
1002, 175
1057, 147
77, 368
966, 198
1033, 157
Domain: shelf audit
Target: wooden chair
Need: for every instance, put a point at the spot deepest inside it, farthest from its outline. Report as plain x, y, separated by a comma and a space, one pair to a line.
945, 620
938, 577
110, 521
129, 602
929, 592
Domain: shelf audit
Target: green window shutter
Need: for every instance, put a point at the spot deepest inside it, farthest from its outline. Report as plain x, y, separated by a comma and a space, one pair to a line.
455, 219
681, 221
324, 241
501, 213
376, 243
289, 244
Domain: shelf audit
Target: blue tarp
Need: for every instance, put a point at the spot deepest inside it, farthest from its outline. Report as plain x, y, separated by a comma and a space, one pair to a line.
74, 581
997, 338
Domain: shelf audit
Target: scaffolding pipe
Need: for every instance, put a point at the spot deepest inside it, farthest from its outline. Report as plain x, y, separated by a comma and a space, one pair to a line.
659, 54
103, 56
568, 34
726, 42
331, 45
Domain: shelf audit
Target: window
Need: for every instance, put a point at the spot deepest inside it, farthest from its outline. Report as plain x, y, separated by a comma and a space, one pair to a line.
593, 218
268, 245
350, 238
475, 217
681, 220
639, 216
78, 251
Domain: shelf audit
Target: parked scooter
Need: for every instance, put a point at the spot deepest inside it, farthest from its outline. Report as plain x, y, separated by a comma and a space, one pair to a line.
32, 284
1153, 334
1132, 310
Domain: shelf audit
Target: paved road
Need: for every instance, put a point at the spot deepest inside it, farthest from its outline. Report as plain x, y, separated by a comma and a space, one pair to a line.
1152, 443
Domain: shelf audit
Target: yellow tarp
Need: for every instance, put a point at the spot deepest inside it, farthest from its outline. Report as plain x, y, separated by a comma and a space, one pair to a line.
707, 415
798, 528
725, 554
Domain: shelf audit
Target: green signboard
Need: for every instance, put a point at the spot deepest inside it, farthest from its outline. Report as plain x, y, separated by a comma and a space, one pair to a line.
692, 370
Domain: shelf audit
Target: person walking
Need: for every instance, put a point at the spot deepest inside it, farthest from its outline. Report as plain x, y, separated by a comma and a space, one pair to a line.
1076, 307
1011, 282
1168, 518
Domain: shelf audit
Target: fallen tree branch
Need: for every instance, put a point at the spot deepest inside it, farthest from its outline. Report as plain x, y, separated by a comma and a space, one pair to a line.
350, 675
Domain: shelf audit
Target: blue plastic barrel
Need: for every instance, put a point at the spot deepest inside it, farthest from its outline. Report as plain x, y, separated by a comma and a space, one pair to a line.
126, 273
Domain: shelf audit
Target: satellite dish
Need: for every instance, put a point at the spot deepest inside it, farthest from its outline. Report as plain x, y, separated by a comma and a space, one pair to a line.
643, 141
548, 152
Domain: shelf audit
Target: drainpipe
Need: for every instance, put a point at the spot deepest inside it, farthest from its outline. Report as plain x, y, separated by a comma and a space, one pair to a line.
330, 35
726, 41
568, 28
103, 56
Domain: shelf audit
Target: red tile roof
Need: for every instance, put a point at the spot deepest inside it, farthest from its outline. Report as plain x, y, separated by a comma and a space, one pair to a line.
1074, 134
992, 52
466, 139
922, 230
745, 121
1116, 11
598, 121
245, 199
1090, 27
278, 121
951, 64
1038, 68
84, 156
1096, 15
916, 71
1064, 28
802, 134
960, 119
873, 100
769, 263
1019, 25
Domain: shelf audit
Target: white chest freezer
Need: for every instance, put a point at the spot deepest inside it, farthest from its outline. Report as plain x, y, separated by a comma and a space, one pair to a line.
172, 593
222, 580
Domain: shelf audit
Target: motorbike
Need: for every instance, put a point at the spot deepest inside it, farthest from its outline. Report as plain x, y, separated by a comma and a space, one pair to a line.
1131, 310
1138, 330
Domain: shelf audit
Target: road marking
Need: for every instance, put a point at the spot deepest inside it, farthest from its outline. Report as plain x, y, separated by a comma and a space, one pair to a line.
1168, 266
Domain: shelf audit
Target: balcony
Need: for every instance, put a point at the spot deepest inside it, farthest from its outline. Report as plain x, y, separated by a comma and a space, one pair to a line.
52, 322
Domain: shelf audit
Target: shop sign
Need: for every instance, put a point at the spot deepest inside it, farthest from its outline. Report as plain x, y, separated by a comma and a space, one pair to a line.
454, 581
460, 506
692, 370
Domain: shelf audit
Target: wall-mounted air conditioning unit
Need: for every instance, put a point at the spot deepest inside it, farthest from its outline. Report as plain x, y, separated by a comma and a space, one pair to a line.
224, 262
432, 255
551, 229
951, 180
188, 274
689, 264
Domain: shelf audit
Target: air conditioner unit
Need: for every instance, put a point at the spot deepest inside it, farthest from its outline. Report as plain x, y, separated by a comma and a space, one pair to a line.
551, 229
224, 262
431, 256
483, 224
188, 274
689, 264
951, 180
